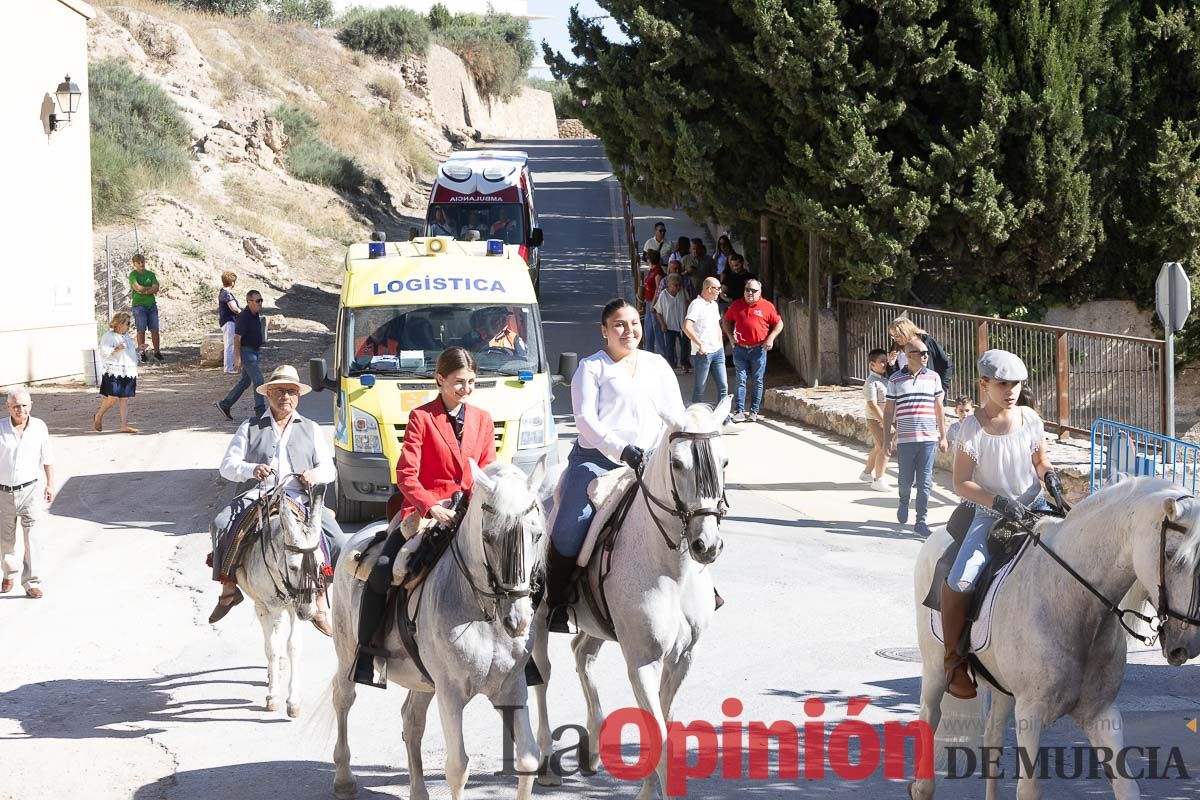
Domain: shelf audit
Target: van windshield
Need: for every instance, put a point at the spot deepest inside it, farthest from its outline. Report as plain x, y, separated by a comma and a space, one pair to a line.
407, 340
489, 220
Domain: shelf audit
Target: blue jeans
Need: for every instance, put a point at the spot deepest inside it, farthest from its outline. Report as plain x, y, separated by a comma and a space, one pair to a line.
575, 510
652, 335
973, 553
251, 375
145, 318
679, 348
916, 466
750, 361
714, 364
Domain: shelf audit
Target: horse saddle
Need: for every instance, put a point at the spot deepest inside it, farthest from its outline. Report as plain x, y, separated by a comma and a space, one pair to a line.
421, 553
244, 525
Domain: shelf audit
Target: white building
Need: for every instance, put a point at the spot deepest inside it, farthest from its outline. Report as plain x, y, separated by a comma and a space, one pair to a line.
46, 314
518, 7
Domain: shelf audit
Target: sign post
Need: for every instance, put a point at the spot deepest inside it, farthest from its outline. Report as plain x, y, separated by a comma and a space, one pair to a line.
1173, 302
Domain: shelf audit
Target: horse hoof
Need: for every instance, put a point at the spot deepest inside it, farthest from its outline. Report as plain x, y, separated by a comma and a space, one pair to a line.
272, 704
293, 710
345, 791
551, 778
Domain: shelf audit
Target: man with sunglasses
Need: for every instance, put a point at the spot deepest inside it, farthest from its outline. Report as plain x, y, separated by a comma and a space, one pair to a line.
247, 341
752, 324
914, 405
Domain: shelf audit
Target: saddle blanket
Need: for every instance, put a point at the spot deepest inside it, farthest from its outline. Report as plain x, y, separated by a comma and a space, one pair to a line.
981, 628
605, 492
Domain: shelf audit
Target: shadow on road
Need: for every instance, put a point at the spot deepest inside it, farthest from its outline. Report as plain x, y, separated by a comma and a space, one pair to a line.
196, 496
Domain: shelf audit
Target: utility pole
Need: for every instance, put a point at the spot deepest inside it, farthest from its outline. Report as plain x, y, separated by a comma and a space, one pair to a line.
814, 309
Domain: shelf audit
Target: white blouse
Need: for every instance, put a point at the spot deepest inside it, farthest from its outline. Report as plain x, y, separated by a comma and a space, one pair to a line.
1004, 463
614, 409
119, 363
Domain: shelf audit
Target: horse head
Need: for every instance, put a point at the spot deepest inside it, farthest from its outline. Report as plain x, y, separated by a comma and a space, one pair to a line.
689, 467
301, 539
1167, 561
504, 521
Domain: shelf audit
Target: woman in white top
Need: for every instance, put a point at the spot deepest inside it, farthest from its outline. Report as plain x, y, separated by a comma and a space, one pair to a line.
999, 464
118, 382
616, 396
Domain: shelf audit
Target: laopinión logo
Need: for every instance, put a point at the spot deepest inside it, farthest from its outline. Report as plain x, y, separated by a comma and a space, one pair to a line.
851, 750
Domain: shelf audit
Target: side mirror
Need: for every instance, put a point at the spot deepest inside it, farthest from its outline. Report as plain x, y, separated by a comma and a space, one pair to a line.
316, 375
567, 364
535, 237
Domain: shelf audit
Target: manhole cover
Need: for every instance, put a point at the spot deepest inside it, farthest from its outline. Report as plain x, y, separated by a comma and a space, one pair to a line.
912, 654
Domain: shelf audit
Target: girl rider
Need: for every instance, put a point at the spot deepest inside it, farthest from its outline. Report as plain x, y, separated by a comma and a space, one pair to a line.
616, 396
1000, 457
439, 438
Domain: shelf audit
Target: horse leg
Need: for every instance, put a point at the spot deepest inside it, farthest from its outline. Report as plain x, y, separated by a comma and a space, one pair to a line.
999, 711
1106, 729
933, 688
1030, 722
647, 682
270, 624
450, 708
673, 676
525, 752
344, 785
586, 648
295, 643
541, 657
415, 711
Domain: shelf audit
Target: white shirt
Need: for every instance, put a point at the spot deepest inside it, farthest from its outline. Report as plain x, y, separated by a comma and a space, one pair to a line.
663, 248
235, 468
119, 363
876, 389
672, 308
1004, 464
22, 459
614, 409
706, 323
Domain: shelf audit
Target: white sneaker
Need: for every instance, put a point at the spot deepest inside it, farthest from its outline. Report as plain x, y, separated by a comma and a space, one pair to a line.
739, 417
866, 477
753, 416
880, 485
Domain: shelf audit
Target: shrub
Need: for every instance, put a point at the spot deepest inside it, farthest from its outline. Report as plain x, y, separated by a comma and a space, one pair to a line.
387, 87
228, 8
495, 47
314, 11
311, 160
139, 138
439, 17
386, 32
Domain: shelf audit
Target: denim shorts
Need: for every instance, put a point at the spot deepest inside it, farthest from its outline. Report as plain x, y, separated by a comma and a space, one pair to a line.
145, 317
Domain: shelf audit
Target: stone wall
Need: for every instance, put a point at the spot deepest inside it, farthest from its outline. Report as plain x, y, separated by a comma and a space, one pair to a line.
794, 340
456, 102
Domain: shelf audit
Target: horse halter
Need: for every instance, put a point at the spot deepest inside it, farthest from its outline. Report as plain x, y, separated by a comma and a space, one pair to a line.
512, 565
274, 498
1164, 610
707, 481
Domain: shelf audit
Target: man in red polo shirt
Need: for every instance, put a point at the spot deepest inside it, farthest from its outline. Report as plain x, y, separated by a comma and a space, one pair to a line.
752, 324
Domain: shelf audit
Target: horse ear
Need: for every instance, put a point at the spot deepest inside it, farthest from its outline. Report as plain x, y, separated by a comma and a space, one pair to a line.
481, 478
722, 411
673, 421
1173, 509
538, 475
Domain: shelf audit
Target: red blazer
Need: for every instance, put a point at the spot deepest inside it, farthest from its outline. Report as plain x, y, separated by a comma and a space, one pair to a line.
432, 464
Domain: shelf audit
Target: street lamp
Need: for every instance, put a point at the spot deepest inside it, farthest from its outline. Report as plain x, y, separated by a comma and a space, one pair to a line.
67, 95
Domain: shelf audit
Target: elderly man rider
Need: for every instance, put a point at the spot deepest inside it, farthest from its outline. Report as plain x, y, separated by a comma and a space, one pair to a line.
264, 451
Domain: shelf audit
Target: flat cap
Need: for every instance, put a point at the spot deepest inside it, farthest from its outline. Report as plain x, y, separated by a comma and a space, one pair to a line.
1001, 365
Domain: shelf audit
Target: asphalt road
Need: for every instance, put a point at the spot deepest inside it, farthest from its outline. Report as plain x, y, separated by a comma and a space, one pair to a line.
114, 686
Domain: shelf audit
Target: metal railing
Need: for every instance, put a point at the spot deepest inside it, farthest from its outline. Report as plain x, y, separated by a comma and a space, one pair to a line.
1124, 449
1075, 376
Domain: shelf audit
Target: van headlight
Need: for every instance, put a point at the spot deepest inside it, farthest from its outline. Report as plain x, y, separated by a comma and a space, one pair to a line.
366, 432
533, 427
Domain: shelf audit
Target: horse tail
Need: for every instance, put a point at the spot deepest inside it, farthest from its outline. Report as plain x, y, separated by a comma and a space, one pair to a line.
321, 726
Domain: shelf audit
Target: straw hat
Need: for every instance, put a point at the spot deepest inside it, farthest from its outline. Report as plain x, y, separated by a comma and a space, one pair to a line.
285, 375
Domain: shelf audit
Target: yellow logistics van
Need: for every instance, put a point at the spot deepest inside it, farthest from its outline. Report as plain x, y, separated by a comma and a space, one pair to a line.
402, 304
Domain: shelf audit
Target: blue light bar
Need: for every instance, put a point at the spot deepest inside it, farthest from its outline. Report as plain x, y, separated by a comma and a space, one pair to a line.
376, 249
495, 247
525, 375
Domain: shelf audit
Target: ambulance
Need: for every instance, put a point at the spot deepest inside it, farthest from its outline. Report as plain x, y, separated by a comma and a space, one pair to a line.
402, 304
487, 194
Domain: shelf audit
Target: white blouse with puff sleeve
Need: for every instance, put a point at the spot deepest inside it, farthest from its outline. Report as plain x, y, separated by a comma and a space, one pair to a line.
614, 409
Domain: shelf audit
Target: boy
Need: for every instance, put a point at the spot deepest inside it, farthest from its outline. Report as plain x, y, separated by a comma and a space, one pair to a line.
963, 408
875, 393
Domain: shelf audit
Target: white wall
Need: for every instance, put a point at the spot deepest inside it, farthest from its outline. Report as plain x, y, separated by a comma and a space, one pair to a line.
46, 315
518, 7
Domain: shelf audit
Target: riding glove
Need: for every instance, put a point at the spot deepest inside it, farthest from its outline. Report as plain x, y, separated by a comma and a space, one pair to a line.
633, 456
1008, 508
1054, 484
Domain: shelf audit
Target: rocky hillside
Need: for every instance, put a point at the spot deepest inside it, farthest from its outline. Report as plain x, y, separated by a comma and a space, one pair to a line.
242, 209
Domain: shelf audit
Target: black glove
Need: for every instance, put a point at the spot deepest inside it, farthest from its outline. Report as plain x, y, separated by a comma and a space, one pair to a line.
1011, 510
633, 456
1054, 484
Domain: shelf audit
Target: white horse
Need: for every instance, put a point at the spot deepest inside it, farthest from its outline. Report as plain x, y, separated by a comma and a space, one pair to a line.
660, 594
280, 573
473, 623
1054, 644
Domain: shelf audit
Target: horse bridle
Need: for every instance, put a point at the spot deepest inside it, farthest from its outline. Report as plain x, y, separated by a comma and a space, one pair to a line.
307, 589
679, 511
512, 567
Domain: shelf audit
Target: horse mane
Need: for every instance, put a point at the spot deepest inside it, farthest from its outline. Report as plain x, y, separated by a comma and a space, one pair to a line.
1139, 501
509, 507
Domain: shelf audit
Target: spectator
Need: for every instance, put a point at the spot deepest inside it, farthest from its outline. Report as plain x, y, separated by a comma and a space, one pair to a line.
698, 265
118, 382
247, 341
901, 330
724, 251
875, 392
733, 280
683, 247
671, 307
702, 326
675, 267
658, 242
227, 311
25, 456
914, 404
752, 324
963, 408
143, 288
653, 338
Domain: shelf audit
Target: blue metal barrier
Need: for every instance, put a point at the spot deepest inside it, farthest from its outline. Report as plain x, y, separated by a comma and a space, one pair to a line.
1124, 449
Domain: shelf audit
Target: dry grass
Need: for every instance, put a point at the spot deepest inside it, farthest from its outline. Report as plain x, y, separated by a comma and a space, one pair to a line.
387, 87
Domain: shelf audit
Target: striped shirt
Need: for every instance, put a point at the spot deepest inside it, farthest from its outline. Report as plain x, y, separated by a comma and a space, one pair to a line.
916, 398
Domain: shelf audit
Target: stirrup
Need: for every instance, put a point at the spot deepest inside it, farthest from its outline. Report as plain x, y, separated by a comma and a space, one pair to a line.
363, 671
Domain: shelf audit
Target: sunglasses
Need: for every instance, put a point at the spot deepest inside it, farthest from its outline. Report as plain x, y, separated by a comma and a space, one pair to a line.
918, 353
754, 291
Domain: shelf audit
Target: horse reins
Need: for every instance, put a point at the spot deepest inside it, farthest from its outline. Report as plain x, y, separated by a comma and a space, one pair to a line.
679, 511
512, 568
308, 563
